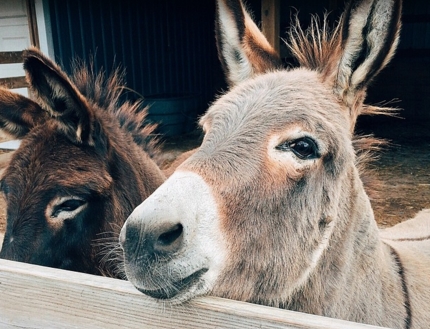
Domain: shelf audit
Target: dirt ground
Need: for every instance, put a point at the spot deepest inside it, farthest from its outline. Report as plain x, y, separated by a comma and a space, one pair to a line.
404, 170
404, 167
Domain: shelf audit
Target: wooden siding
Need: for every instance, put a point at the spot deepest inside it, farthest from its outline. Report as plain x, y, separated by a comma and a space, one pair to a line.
18, 31
166, 47
270, 23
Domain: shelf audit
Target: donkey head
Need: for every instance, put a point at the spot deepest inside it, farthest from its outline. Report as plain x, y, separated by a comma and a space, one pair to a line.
73, 174
250, 215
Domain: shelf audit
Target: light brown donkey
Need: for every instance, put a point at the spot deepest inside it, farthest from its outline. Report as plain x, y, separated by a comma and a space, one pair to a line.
82, 167
271, 209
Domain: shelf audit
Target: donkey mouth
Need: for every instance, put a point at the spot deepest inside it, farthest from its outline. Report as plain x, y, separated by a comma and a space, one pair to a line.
175, 288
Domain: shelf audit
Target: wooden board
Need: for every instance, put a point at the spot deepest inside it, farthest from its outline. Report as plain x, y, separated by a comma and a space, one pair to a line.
270, 22
9, 57
38, 297
12, 83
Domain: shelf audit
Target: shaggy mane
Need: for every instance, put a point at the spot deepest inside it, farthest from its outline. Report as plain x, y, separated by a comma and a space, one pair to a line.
105, 93
318, 47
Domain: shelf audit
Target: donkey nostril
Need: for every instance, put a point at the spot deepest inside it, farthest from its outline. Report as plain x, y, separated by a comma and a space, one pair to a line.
171, 236
171, 240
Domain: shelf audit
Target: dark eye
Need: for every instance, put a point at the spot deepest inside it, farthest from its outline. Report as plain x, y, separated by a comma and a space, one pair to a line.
304, 148
67, 206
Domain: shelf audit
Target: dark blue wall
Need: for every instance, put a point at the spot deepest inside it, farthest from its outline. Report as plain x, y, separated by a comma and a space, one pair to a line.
166, 46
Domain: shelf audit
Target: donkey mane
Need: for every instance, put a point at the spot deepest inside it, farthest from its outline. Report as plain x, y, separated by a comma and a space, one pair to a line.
317, 47
107, 93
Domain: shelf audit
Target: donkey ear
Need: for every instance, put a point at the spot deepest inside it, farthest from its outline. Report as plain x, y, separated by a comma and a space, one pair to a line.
18, 114
59, 96
242, 48
370, 34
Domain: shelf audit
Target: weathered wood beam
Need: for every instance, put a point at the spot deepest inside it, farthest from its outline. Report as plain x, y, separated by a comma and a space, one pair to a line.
12, 83
10, 57
32, 23
39, 297
270, 22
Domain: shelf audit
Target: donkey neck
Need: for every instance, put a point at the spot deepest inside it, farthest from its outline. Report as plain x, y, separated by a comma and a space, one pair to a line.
356, 278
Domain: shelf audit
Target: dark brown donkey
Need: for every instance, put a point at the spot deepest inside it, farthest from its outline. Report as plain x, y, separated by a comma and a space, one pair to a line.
82, 167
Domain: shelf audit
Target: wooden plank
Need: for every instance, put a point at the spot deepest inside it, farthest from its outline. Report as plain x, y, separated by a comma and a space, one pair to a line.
39, 297
32, 23
12, 83
270, 22
10, 57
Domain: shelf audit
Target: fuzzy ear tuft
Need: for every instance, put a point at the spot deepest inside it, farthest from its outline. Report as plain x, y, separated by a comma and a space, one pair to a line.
19, 114
370, 34
243, 50
59, 96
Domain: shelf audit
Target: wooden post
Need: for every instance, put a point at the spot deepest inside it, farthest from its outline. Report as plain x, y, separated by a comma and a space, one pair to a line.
12, 57
32, 24
270, 22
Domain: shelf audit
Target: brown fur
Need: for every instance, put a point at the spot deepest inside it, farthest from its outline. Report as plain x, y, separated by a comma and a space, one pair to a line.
79, 142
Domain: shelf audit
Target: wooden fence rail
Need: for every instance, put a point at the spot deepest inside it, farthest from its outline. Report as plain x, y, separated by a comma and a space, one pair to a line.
12, 57
38, 297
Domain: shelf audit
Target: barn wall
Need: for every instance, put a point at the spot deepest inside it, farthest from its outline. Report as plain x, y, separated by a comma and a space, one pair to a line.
166, 46
408, 75
407, 78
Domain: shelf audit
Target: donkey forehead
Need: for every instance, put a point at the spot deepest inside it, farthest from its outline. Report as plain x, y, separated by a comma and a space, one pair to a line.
46, 159
274, 101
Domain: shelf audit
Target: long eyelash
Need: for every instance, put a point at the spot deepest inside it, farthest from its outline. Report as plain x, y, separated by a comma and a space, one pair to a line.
284, 146
289, 145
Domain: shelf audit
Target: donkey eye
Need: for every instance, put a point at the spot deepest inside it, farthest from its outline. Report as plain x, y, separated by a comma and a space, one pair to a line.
67, 208
304, 148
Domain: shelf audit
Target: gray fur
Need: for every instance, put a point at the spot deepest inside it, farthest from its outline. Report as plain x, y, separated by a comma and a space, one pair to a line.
280, 229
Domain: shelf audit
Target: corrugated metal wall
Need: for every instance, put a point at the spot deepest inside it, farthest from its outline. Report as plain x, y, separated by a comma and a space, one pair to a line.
166, 46
416, 26
407, 77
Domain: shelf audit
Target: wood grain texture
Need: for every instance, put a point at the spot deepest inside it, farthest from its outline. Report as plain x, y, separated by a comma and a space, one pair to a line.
38, 297
32, 23
12, 83
270, 22
10, 57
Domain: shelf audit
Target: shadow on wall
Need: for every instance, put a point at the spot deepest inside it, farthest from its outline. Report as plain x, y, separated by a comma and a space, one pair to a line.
175, 114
